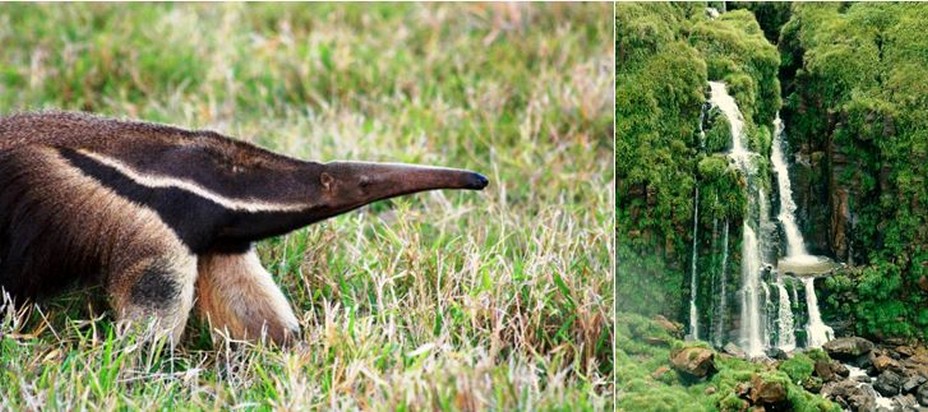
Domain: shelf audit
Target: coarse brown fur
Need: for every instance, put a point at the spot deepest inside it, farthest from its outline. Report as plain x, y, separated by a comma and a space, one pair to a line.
158, 214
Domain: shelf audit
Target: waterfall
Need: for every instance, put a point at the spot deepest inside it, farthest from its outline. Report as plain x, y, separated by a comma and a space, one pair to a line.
794, 243
723, 297
762, 313
818, 332
751, 334
786, 338
751, 323
694, 321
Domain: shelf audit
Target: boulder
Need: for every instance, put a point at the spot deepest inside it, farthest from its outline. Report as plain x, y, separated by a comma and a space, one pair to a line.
813, 384
764, 392
824, 370
921, 395
848, 348
777, 353
889, 383
840, 370
694, 361
734, 350
673, 328
912, 382
851, 395
883, 362
905, 350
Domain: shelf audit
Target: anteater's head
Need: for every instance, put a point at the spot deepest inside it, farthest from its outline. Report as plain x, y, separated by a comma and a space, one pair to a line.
345, 186
210, 187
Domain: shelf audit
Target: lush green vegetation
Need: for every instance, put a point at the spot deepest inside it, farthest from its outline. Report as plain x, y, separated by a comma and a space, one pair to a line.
854, 94
665, 54
646, 382
859, 96
498, 300
851, 84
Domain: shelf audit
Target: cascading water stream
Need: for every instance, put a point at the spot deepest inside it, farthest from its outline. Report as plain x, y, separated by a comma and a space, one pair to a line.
795, 246
723, 280
751, 323
694, 313
694, 320
751, 333
817, 331
786, 338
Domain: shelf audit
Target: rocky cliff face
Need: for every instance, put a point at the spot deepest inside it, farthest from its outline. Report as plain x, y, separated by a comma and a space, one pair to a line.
827, 183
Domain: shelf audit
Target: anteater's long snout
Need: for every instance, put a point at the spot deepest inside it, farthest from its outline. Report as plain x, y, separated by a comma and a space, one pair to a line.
383, 180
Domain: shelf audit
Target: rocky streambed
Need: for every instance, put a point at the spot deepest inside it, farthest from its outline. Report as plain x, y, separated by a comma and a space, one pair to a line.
869, 377
853, 372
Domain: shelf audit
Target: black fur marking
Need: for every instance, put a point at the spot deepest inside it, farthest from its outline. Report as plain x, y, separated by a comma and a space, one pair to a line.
156, 288
198, 222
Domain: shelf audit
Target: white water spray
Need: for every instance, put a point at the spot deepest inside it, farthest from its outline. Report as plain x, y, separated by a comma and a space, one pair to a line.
787, 339
751, 323
723, 280
751, 334
694, 320
818, 332
787, 216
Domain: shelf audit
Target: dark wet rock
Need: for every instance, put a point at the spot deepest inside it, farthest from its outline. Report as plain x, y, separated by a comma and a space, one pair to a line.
824, 370
889, 383
851, 395
768, 393
921, 395
777, 353
912, 382
840, 370
848, 348
830, 371
734, 350
694, 361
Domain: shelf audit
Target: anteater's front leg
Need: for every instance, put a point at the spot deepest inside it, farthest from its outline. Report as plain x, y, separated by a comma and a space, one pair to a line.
157, 288
237, 295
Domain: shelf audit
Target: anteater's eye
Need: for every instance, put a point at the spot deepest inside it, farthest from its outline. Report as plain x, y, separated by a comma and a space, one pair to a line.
364, 181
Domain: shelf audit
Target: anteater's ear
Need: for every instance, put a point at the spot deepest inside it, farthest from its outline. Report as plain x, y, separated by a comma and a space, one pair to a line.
326, 180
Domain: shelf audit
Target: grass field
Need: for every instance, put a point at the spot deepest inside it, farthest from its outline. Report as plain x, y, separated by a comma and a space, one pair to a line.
447, 300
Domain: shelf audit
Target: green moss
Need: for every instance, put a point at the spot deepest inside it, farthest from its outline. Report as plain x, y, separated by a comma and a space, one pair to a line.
799, 368
848, 95
718, 132
640, 391
666, 53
